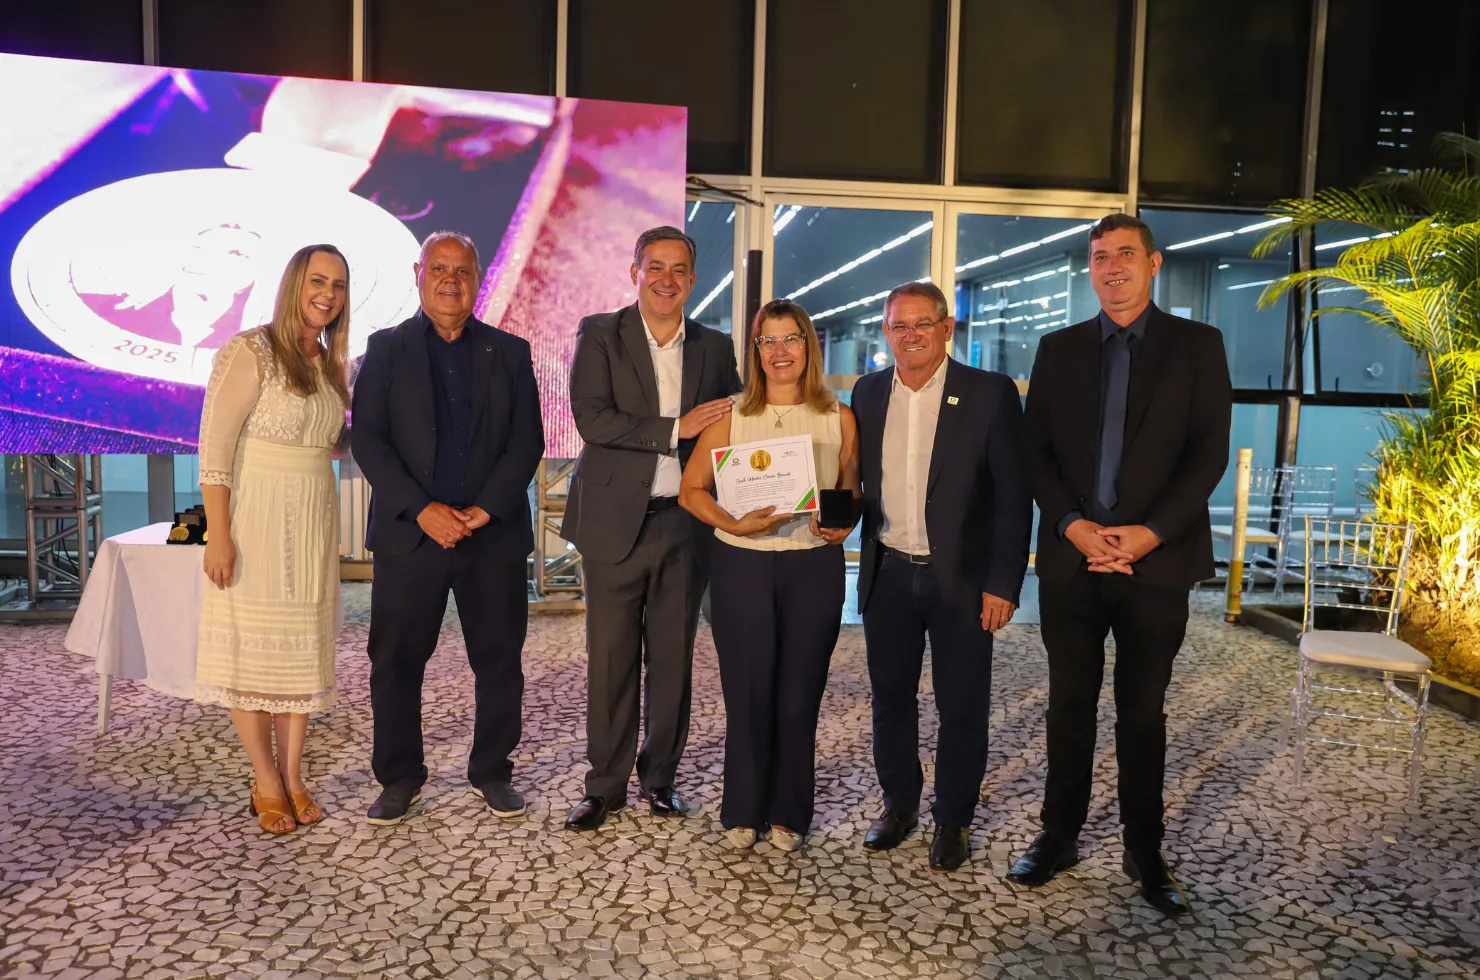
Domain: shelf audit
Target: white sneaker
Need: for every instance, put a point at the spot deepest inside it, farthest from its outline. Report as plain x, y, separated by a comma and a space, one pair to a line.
740, 838
786, 840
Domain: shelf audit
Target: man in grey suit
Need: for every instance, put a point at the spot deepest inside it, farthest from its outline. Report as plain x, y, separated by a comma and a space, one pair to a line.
644, 382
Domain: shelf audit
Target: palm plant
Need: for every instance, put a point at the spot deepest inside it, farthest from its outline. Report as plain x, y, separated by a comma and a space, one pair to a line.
1419, 277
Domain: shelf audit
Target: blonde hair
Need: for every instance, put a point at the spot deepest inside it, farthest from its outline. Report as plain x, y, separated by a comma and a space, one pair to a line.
814, 393
287, 328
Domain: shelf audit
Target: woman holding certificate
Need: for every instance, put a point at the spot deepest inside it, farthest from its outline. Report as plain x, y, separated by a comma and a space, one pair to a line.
776, 575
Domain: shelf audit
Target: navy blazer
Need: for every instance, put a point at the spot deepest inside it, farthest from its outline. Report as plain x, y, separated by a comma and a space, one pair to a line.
978, 513
394, 434
1175, 450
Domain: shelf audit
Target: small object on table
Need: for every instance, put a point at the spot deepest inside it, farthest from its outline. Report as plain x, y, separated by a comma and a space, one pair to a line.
190, 526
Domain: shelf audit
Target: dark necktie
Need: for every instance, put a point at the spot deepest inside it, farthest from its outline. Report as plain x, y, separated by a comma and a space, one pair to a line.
1112, 430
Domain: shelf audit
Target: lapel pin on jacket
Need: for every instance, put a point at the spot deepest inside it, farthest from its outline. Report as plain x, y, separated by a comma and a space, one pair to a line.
953, 400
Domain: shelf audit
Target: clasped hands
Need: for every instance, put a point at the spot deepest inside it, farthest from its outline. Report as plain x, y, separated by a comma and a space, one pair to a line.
1112, 550
449, 525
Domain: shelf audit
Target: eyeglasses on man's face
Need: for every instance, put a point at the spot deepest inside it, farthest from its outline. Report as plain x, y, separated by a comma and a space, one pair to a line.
917, 326
787, 341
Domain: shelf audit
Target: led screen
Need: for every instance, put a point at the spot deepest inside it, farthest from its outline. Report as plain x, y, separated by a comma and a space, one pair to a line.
146, 215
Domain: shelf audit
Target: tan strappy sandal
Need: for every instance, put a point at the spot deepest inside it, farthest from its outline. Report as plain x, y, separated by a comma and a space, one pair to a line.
306, 809
269, 811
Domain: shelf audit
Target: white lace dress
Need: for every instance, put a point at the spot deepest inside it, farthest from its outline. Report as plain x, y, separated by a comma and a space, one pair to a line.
267, 642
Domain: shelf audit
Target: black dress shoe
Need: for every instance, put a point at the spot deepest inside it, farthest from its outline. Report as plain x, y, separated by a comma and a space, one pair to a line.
1158, 887
664, 801
1045, 857
592, 812
951, 847
391, 806
502, 798
890, 830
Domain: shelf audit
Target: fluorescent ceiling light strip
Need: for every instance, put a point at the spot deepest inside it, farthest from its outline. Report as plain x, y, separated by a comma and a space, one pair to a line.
714, 293
865, 257
1201, 241
975, 263
1261, 225
694, 210
1251, 285
859, 302
1353, 241
784, 219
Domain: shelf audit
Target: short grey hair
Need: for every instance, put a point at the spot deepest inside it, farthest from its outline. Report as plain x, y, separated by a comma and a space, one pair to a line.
437, 237
663, 233
928, 290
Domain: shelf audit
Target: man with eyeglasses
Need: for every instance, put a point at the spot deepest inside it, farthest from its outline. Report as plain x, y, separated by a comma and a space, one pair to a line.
1127, 436
946, 524
644, 382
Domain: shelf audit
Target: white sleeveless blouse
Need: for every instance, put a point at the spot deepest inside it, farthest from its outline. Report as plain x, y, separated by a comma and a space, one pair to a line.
826, 430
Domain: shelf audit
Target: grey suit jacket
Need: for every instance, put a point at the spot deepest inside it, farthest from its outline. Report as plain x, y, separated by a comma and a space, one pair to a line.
614, 398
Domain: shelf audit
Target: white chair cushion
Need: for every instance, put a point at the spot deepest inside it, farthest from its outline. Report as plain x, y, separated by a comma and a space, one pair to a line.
1252, 534
1375, 651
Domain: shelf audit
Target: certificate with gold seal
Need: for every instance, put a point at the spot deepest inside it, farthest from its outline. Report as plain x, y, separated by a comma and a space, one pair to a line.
778, 473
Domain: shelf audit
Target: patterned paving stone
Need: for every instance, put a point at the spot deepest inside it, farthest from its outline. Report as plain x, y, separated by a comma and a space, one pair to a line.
132, 855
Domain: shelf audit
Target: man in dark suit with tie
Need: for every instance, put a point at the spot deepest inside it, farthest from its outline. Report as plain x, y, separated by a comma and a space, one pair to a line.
946, 524
644, 382
1127, 435
447, 431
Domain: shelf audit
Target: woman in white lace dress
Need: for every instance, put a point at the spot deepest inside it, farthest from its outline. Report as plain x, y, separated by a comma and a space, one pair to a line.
274, 409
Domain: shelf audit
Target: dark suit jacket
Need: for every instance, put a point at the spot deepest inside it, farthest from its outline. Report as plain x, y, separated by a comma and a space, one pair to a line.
978, 514
1175, 449
614, 398
394, 435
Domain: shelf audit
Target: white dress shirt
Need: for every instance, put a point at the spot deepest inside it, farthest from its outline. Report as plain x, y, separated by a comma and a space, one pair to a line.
668, 367
909, 439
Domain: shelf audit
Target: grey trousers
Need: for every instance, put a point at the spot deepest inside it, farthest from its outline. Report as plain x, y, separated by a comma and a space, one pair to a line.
642, 610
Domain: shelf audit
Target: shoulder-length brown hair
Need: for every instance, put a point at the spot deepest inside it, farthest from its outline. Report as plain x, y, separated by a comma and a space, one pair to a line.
816, 394
287, 327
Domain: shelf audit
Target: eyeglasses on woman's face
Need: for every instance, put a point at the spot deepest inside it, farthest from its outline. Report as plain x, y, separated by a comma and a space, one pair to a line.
787, 341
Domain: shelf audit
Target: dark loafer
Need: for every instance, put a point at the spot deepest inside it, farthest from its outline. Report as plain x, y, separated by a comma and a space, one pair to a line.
951, 847
502, 798
664, 801
1046, 857
393, 803
890, 830
1158, 887
592, 812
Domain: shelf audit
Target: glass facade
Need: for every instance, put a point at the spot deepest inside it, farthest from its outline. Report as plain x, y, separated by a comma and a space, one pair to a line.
1208, 275
712, 226
840, 263
1022, 63
1016, 279
276, 37
401, 50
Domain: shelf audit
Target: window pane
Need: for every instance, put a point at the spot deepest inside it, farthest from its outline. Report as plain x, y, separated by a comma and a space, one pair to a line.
1393, 81
816, 249
95, 30
125, 493
12, 500
711, 224
1016, 279
1352, 353
1207, 275
502, 46
1021, 64
1344, 437
1224, 104
711, 74
1255, 427
268, 37
882, 60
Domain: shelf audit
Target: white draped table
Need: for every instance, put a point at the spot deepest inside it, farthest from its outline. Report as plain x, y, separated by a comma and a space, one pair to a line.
139, 614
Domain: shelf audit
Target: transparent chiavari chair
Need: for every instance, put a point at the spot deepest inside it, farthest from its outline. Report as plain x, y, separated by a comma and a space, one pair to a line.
1358, 566
1363, 480
1268, 504
1309, 491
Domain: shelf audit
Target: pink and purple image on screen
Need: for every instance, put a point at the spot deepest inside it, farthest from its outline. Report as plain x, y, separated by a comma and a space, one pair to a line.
146, 215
